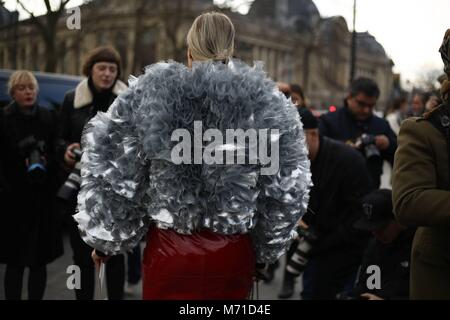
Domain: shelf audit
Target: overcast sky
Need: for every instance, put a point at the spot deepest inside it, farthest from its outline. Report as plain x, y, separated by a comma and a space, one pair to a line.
411, 31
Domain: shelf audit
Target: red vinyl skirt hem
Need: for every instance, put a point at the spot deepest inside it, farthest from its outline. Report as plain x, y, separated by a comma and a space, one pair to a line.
202, 266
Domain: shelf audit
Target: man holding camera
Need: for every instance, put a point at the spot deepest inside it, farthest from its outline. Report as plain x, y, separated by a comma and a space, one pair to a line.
329, 249
356, 125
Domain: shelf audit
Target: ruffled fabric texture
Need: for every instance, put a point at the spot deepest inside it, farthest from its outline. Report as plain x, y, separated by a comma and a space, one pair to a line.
129, 179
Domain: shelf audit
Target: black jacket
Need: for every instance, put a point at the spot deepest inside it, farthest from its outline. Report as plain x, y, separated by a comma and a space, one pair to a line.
342, 125
77, 109
3, 184
30, 229
79, 106
340, 180
394, 262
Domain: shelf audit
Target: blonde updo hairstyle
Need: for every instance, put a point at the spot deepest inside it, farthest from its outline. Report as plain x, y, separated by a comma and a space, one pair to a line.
211, 37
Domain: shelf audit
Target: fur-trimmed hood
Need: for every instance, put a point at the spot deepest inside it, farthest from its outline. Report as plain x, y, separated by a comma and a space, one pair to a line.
129, 178
83, 95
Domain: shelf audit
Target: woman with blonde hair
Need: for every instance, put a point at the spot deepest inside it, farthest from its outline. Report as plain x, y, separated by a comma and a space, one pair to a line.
30, 235
208, 223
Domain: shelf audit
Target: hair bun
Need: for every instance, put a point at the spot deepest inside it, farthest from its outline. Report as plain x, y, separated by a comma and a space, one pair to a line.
222, 56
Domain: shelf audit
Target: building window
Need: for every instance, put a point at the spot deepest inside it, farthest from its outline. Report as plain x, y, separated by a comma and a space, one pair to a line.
290, 72
62, 57
34, 57
102, 38
146, 53
23, 57
244, 52
121, 43
2, 58
256, 55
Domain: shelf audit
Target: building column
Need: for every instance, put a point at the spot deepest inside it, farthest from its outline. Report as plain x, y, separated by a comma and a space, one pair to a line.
255, 53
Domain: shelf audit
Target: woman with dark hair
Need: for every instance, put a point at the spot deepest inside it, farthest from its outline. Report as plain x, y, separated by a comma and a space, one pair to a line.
297, 95
206, 222
293, 91
102, 69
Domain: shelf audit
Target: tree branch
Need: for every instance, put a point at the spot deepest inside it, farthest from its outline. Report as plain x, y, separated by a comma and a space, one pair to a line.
25, 9
48, 5
63, 5
35, 20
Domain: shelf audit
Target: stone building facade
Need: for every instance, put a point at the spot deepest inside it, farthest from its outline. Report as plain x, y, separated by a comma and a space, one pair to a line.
296, 44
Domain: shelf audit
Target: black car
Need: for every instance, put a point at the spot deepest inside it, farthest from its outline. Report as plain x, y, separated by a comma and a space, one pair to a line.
52, 88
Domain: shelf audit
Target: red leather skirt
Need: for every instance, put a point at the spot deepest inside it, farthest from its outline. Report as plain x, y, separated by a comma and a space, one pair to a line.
202, 266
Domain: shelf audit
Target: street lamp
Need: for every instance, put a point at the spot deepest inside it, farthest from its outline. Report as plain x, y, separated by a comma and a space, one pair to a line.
353, 46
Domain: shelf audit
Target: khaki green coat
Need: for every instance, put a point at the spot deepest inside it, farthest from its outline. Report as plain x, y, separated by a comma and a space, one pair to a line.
420, 199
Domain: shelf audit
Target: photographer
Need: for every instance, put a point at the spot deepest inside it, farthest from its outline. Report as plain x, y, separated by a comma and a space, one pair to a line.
332, 252
30, 235
356, 125
390, 250
94, 94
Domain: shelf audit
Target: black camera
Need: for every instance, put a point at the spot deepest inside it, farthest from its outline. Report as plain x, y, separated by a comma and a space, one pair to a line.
69, 190
367, 143
34, 151
297, 264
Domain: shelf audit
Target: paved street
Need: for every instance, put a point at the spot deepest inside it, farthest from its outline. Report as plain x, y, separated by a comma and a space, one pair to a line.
57, 276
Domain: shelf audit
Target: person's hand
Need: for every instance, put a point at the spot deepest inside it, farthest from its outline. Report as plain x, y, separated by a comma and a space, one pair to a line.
69, 157
303, 224
382, 142
351, 144
98, 260
369, 296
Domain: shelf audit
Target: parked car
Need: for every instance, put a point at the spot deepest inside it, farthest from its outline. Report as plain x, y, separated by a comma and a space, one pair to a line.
52, 88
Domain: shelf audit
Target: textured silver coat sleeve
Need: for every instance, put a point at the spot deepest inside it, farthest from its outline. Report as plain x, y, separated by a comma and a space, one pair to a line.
284, 196
129, 178
112, 201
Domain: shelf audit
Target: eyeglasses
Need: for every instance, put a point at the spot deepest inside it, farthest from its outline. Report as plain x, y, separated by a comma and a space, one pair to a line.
363, 104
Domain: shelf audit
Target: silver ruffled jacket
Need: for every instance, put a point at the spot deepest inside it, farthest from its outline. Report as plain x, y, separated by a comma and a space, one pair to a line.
130, 181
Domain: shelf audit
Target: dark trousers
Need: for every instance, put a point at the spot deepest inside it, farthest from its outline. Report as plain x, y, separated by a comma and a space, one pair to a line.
37, 281
134, 265
115, 270
326, 276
